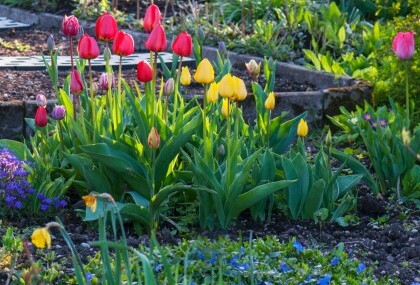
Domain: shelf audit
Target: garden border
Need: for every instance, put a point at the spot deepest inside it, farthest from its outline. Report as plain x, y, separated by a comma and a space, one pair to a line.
334, 91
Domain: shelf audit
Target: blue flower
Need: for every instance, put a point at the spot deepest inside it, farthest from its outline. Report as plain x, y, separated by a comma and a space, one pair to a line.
360, 268
415, 283
325, 280
213, 259
298, 246
284, 267
158, 267
89, 276
335, 260
201, 256
243, 266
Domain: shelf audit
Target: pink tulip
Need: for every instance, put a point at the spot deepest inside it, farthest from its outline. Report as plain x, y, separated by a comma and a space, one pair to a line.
403, 45
76, 83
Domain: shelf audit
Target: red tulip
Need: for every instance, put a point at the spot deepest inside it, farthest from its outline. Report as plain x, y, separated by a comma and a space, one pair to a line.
152, 18
123, 44
157, 39
70, 26
88, 47
41, 117
76, 83
144, 71
106, 27
182, 45
403, 45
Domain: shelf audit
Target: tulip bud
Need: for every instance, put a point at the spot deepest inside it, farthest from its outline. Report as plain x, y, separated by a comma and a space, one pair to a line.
405, 135
328, 138
201, 36
221, 150
169, 87
107, 54
270, 101
88, 47
185, 76
182, 44
76, 83
81, 32
70, 26
41, 117
50, 43
213, 93
59, 112
144, 71
123, 44
106, 27
153, 140
205, 72
403, 45
302, 128
41, 100
103, 81
152, 18
225, 108
222, 50
253, 68
227, 86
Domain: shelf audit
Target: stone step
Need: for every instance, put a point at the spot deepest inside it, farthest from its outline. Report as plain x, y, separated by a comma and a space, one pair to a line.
7, 24
36, 62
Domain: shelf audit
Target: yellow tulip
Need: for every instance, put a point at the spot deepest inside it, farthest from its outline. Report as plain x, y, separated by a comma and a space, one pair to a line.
227, 86
213, 93
270, 101
205, 72
41, 237
90, 201
225, 108
185, 76
302, 129
253, 68
240, 89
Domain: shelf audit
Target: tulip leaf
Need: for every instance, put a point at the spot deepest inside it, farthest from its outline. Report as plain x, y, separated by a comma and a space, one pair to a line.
20, 150
137, 214
314, 199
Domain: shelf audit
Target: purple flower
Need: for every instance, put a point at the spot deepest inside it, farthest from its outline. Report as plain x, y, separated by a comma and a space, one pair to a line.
298, 246
382, 122
367, 116
373, 124
58, 113
44, 207
335, 260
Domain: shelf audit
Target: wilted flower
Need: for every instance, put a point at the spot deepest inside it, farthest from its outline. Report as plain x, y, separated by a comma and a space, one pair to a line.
205, 72
153, 140
185, 76
403, 45
169, 87
41, 237
270, 101
302, 128
253, 68
103, 81
59, 112
41, 100
91, 201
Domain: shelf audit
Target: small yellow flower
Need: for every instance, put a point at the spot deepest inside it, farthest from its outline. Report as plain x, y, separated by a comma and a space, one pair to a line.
270, 102
225, 108
185, 76
227, 86
41, 237
302, 129
90, 201
205, 72
240, 89
213, 93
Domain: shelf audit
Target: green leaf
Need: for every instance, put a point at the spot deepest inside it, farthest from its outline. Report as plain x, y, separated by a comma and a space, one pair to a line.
345, 183
314, 199
136, 213
19, 149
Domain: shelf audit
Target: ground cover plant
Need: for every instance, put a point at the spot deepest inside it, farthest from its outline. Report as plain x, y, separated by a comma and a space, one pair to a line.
135, 154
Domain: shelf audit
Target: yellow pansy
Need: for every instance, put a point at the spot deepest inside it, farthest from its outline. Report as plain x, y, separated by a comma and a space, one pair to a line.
270, 101
205, 72
302, 129
91, 201
227, 86
185, 76
41, 237
225, 108
213, 93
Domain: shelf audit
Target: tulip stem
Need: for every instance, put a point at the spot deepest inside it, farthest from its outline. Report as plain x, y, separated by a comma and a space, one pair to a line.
407, 95
178, 77
154, 86
268, 128
205, 138
92, 100
72, 69
228, 145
